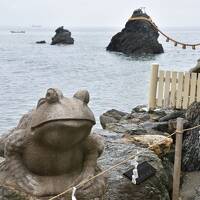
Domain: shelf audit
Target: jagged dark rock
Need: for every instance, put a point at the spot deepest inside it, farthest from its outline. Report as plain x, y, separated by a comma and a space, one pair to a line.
11, 194
138, 37
173, 115
191, 141
111, 116
196, 69
159, 126
62, 36
140, 123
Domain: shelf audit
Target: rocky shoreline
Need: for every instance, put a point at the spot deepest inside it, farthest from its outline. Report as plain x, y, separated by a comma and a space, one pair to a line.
143, 129
138, 133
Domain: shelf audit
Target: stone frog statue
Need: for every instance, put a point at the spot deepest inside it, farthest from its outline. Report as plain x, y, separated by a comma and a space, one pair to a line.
52, 149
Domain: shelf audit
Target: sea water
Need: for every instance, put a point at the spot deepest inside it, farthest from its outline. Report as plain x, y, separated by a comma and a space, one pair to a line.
114, 80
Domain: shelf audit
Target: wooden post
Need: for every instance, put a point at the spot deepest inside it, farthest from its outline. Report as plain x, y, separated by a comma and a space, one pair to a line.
153, 86
177, 159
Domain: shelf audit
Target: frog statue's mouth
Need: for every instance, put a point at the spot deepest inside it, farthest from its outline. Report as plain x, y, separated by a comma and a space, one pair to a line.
62, 134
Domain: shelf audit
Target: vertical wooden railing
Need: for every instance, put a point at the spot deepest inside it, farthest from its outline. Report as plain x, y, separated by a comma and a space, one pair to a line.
153, 86
173, 89
177, 160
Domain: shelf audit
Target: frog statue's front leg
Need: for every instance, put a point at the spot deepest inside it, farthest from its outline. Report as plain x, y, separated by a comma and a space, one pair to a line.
93, 148
12, 170
15, 174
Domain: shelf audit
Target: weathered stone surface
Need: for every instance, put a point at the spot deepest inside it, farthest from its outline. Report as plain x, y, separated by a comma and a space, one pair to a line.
111, 116
62, 36
144, 116
191, 141
125, 128
190, 188
138, 122
159, 126
160, 144
140, 127
173, 115
11, 194
119, 145
140, 108
138, 37
157, 187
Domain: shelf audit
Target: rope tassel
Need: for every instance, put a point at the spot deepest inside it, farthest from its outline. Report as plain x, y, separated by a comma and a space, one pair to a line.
73, 194
167, 40
135, 170
184, 46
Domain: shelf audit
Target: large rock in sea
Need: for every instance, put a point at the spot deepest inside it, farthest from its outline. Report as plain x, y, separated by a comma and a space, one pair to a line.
138, 37
62, 36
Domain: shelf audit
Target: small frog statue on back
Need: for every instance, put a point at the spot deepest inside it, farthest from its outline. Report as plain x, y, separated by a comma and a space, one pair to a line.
52, 149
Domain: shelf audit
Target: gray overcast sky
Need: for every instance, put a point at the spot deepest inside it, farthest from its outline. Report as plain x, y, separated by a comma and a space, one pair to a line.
97, 12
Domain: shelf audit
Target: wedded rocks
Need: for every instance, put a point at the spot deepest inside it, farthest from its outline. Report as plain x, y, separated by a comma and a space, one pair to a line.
62, 36
138, 37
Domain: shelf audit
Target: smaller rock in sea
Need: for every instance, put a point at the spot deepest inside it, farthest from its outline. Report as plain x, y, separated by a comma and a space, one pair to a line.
62, 36
41, 42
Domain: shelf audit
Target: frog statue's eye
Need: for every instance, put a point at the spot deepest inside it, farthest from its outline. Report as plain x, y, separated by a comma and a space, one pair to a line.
53, 95
83, 95
41, 101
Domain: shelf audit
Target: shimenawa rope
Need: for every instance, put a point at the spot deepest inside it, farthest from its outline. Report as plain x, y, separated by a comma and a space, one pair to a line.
184, 45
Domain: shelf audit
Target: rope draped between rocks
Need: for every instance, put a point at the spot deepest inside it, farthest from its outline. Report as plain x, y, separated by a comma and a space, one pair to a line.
116, 165
184, 45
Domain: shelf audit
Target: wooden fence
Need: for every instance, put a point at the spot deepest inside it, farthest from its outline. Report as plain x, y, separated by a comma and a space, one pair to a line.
171, 89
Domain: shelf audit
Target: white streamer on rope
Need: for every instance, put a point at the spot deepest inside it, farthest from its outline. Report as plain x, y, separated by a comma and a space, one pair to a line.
199, 136
135, 170
73, 194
